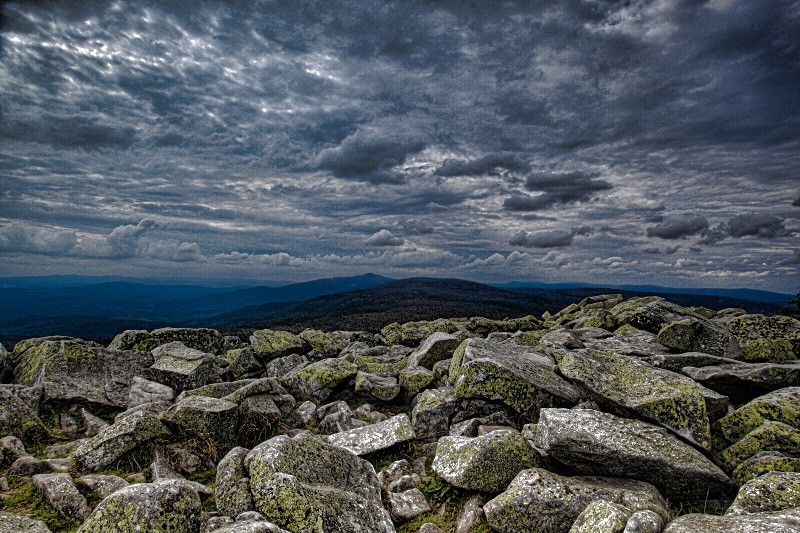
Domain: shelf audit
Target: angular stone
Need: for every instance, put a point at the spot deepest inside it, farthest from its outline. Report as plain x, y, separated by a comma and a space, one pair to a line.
317, 381
232, 488
645, 522
601, 516
203, 415
145, 391
258, 416
700, 335
414, 379
121, 437
773, 339
19, 420
166, 505
384, 388
744, 381
677, 361
435, 348
305, 484
180, 367
413, 333
80, 371
61, 493
649, 313
280, 367
629, 387
407, 505
763, 462
541, 501
634, 342
774, 491
93, 424
205, 340
251, 526
486, 464
432, 411
13, 523
521, 378
778, 522
242, 363
782, 405
103, 485
325, 344
375, 437
769, 436
269, 344
472, 516
595, 443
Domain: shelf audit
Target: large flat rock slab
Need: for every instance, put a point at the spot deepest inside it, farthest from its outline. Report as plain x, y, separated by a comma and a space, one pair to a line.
374, 437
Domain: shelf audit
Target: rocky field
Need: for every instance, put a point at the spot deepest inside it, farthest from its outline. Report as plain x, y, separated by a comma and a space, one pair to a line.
610, 416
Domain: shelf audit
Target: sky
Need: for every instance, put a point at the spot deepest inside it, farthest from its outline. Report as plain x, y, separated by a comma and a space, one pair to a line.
579, 140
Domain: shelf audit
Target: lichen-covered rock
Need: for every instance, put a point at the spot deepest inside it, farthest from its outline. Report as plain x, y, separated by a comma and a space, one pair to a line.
374, 437
203, 339
318, 380
520, 377
596, 443
241, 363
487, 463
217, 390
677, 361
325, 344
203, 415
14, 523
773, 339
782, 405
645, 522
601, 516
413, 333
769, 436
763, 462
627, 386
432, 411
384, 388
258, 416
776, 522
180, 367
166, 505
306, 485
629, 342
61, 493
18, 419
250, 526
103, 485
269, 344
541, 501
232, 487
414, 379
73, 370
699, 335
146, 391
435, 348
407, 505
121, 437
280, 367
744, 381
650, 313
774, 491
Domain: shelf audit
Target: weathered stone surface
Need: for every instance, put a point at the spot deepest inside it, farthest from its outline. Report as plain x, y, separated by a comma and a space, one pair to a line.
203, 339
650, 313
384, 388
677, 361
541, 501
774, 491
432, 410
216, 390
146, 391
375, 437
645, 522
258, 416
61, 493
203, 415
773, 339
251, 526
280, 367
778, 522
241, 363
74, 370
591, 442
13, 523
103, 485
18, 419
407, 505
601, 516
318, 380
118, 439
769, 436
305, 484
472, 516
166, 505
520, 377
326, 344
435, 348
413, 333
633, 342
699, 335
763, 462
269, 344
486, 464
232, 488
744, 381
782, 405
180, 367
629, 387
414, 379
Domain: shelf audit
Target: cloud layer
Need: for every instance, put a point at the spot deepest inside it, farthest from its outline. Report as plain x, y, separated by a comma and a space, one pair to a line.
571, 140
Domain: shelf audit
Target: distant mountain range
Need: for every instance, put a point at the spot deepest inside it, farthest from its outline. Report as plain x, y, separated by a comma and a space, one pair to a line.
100, 310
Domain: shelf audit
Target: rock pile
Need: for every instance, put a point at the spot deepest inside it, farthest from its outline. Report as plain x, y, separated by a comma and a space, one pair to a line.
610, 416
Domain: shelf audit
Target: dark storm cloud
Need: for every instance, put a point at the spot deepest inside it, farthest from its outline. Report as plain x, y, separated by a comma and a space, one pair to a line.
554, 189
542, 239
678, 226
757, 225
796, 203
482, 165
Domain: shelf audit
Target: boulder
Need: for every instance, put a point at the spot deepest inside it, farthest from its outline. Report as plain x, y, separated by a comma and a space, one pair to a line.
633, 342
407, 505
180, 367
146, 391
677, 361
432, 411
165, 505
629, 387
241, 363
304, 484
61, 493
472, 517
772, 339
744, 381
375, 437
777, 522
203, 415
486, 464
699, 335
269, 344
763, 462
325, 344
774, 491
782, 405
650, 313
232, 487
413, 333
103, 485
541, 501
14, 523
601, 516
384, 388
596, 443
437, 347
121, 437
74, 370
414, 379
203, 339
317, 381
520, 377
17, 419
769, 436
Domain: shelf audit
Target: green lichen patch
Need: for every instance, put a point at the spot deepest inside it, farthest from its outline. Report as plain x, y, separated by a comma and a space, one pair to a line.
782, 405
770, 436
767, 338
764, 462
774, 491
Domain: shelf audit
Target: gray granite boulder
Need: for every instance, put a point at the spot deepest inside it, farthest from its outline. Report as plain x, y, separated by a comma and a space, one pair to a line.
232, 487
776, 522
744, 381
269, 344
774, 491
61, 493
14, 523
700, 335
203, 415
203, 339
121, 437
375, 437
318, 380
437, 347
180, 367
